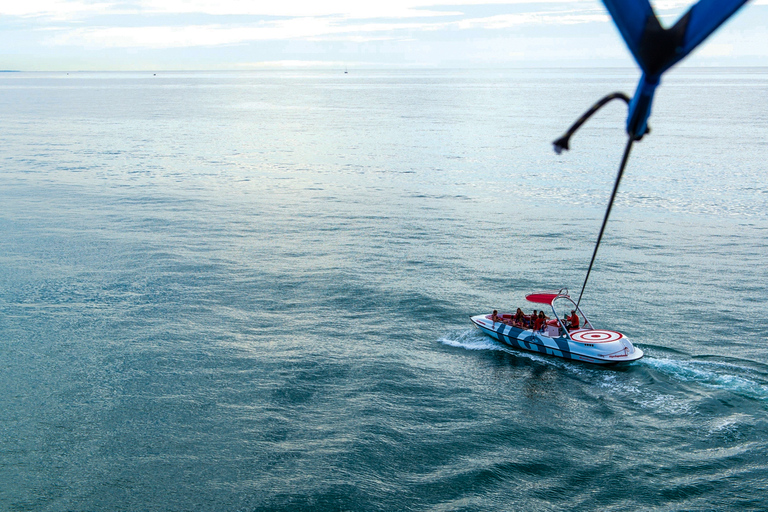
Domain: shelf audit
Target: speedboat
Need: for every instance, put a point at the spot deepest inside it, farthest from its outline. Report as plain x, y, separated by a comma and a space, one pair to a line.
559, 335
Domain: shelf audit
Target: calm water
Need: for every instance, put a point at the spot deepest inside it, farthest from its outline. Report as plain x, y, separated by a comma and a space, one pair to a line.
250, 291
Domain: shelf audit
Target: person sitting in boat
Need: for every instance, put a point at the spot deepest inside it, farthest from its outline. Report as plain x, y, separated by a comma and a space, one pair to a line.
538, 323
573, 321
519, 319
529, 320
495, 316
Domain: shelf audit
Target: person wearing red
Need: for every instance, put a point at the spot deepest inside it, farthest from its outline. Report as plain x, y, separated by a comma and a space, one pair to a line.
573, 321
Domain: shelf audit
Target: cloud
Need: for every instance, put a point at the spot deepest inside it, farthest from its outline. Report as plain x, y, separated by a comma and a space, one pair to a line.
292, 8
349, 9
226, 32
217, 35
338, 27
55, 9
505, 21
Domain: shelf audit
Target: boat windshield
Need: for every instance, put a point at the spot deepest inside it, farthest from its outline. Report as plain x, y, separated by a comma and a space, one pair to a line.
563, 305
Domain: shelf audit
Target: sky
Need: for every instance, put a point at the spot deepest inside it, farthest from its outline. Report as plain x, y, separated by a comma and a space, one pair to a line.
91, 35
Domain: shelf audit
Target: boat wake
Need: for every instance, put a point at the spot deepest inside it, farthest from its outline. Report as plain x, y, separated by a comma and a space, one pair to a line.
717, 375
471, 339
714, 375
474, 339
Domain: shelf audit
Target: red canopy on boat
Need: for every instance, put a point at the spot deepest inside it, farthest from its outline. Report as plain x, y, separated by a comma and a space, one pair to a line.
543, 297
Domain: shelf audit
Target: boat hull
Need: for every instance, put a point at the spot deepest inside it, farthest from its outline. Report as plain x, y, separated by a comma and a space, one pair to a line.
593, 346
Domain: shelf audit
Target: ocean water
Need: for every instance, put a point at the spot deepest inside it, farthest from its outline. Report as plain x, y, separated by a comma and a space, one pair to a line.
250, 291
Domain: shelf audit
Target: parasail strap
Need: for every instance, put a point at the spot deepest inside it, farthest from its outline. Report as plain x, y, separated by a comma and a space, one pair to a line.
607, 211
562, 143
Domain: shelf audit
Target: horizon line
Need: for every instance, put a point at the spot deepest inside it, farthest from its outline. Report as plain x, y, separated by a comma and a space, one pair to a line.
367, 67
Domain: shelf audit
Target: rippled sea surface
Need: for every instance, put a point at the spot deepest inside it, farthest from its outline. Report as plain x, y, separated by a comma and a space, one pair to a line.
250, 291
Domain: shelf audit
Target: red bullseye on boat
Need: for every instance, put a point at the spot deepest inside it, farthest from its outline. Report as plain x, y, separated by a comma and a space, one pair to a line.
596, 336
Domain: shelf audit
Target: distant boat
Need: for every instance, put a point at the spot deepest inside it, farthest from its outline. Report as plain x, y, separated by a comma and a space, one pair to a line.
557, 337
345, 70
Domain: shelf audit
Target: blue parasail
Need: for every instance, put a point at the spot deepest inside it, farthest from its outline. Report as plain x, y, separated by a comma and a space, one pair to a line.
656, 49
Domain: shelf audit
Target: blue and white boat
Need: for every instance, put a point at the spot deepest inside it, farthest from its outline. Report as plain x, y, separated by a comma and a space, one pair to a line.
558, 336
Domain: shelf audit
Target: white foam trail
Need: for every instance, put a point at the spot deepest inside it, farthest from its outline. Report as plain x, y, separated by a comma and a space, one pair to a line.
471, 339
630, 387
474, 339
712, 375
727, 427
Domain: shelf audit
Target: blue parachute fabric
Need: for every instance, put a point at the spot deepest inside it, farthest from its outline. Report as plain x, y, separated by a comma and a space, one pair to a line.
705, 17
640, 106
656, 49
630, 18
